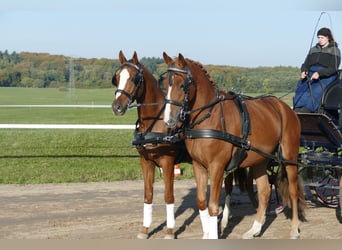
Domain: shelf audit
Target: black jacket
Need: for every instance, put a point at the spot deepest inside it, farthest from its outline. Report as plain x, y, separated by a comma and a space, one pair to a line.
328, 57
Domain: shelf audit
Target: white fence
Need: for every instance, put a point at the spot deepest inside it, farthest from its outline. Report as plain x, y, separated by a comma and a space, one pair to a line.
62, 126
65, 126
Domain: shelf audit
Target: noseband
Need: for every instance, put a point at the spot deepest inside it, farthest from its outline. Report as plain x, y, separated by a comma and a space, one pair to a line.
138, 81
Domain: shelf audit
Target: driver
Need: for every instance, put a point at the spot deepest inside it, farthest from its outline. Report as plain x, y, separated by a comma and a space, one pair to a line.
318, 71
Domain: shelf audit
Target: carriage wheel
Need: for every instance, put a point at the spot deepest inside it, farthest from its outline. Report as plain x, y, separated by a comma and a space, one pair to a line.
341, 193
325, 186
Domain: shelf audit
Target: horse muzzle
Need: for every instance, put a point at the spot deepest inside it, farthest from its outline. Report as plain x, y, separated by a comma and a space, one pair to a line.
172, 119
118, 108
171, 123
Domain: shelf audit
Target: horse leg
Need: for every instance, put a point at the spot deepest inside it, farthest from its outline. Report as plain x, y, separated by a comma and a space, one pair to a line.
216, 177
148, 173
168, 173
201, 177
264, 192
292, 176
226, 214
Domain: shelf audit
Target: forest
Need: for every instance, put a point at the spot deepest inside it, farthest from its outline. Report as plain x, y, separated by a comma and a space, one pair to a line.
43, 70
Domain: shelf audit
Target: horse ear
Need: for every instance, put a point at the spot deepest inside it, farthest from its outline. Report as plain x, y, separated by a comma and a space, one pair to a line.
181, 59
135, 58
167, 59
122, 57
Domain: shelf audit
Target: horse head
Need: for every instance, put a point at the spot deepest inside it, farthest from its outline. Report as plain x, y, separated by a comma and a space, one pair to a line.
180, 89
129, 81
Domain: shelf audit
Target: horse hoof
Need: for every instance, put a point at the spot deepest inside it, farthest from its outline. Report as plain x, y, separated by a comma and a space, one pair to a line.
250, 235
169, 237
142, 236
205, 236
255, 231
169, 234
295, 234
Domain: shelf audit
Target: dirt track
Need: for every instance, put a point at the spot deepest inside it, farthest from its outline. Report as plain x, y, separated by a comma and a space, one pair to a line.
114, 211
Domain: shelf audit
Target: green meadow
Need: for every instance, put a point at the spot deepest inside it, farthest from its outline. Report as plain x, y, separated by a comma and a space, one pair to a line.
29, 156
64, 155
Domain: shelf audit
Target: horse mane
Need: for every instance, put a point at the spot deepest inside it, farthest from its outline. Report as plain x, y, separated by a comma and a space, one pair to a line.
198, 64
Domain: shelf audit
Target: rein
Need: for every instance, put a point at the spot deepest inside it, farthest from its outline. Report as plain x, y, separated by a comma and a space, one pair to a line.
137, 105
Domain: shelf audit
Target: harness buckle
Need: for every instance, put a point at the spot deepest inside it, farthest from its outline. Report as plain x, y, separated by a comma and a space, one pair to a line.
245, 144
182, 115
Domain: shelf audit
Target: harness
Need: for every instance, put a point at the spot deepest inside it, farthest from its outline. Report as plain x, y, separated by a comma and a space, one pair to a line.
242, 142
146, 137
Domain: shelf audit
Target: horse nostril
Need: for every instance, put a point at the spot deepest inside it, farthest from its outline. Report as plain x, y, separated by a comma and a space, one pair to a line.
118, 107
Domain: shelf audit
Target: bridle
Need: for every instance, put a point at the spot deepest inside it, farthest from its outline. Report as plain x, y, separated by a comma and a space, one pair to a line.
186, 88
188, 80
138, 81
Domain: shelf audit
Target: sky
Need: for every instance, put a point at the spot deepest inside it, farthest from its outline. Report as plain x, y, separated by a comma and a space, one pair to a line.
246, 33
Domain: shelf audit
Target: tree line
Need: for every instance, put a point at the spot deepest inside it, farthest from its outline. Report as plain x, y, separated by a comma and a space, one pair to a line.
43, 70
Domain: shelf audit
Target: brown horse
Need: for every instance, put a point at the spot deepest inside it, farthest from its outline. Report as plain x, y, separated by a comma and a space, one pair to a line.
135, 83
227, 131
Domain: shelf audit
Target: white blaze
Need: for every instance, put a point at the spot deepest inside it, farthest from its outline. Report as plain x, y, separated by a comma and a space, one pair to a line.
167, 111
124, 76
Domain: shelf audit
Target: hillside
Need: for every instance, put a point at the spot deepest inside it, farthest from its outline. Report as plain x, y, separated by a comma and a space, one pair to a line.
44, 70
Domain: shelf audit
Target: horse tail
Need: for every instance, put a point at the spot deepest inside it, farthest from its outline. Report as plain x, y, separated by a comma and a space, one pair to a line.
283, 187
240, 178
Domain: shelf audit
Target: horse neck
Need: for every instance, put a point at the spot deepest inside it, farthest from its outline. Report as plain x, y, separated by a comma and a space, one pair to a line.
205, 91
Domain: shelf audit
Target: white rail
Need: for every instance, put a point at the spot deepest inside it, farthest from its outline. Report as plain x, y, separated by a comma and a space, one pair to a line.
54, 106
61, 126
64, 126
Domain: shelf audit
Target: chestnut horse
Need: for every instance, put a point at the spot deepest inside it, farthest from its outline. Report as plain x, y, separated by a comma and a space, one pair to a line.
135, 83
156, 145
224, 130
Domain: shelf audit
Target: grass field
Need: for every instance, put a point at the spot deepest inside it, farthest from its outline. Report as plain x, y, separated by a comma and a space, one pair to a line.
65, 155
56, 96
44, 155
55, 156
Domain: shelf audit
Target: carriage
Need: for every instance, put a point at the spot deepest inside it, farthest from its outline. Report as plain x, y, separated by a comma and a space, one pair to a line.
320, 157
321, 141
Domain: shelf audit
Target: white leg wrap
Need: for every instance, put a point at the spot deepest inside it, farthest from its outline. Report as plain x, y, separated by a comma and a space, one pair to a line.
170, 216
213, 227
147, 215
254, 231
204, 216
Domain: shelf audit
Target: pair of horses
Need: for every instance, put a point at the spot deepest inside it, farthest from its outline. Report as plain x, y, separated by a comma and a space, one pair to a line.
221, 131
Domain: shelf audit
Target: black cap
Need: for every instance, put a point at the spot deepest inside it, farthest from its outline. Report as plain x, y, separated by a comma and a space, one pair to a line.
324, 32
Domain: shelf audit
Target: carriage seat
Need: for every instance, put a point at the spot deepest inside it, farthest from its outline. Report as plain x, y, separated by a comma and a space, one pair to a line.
318, 129
331, 102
